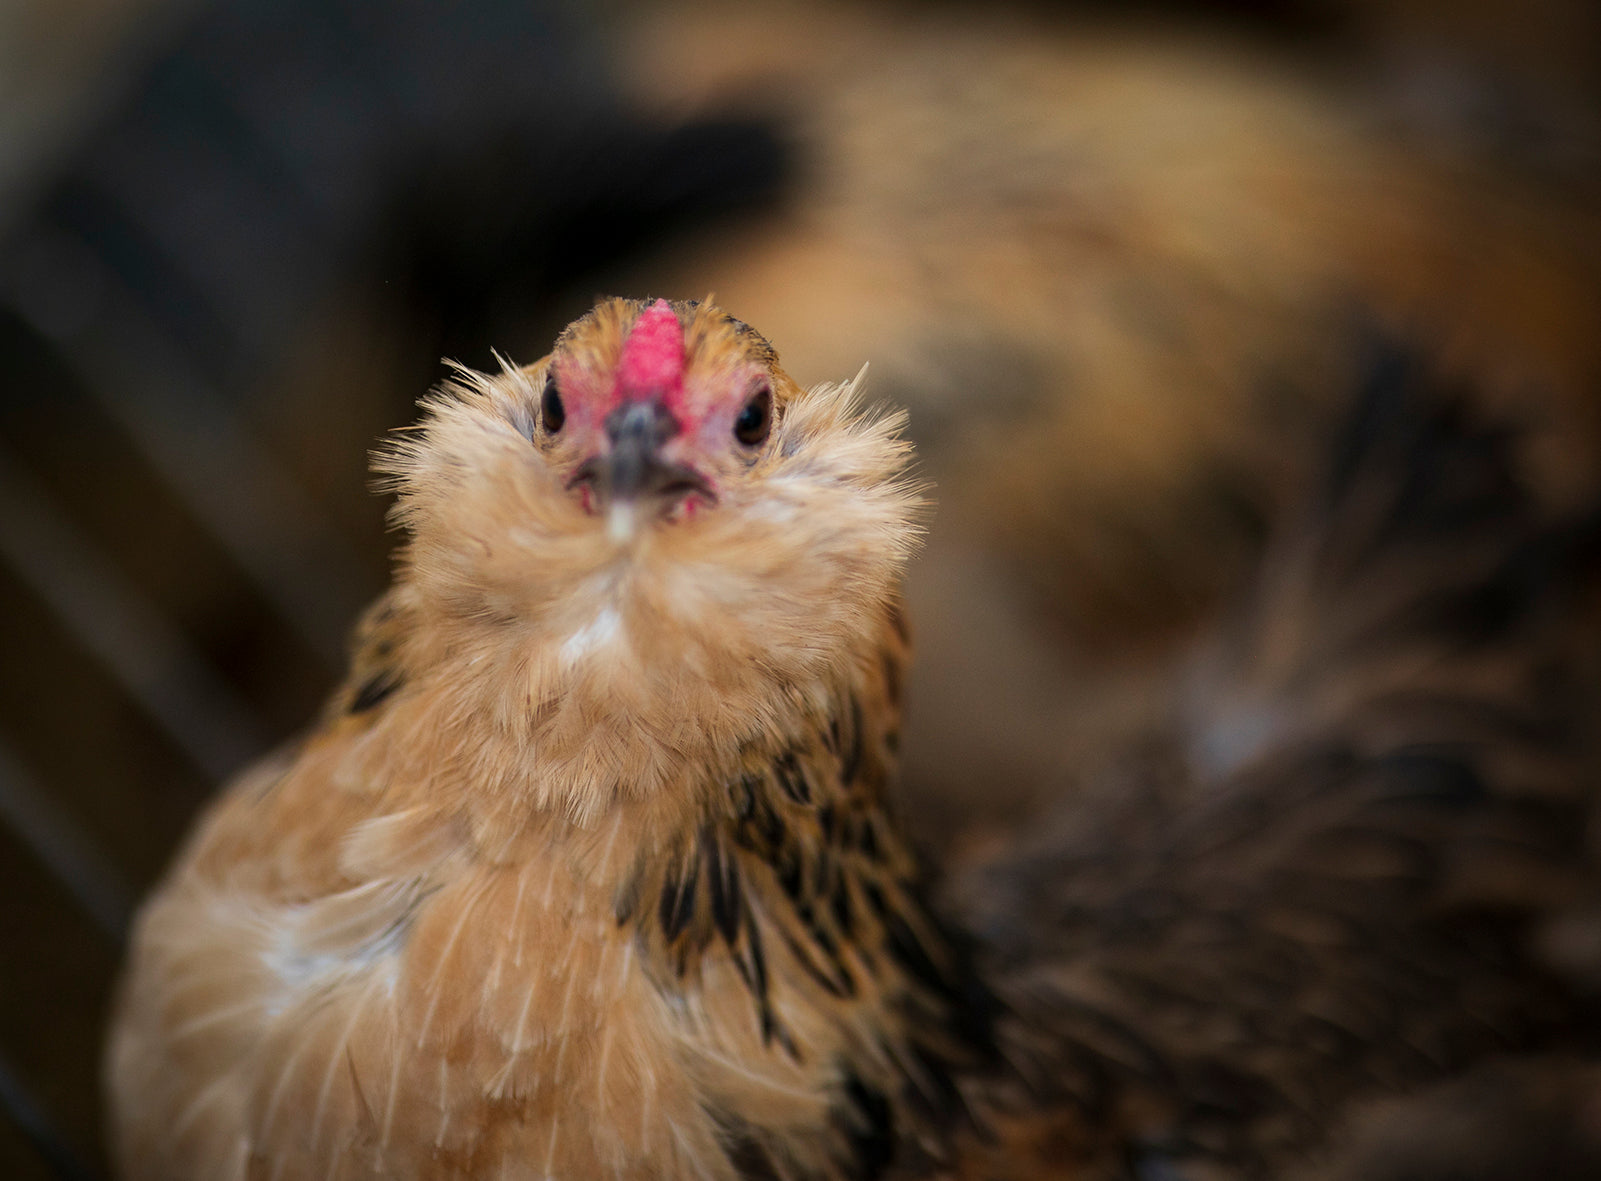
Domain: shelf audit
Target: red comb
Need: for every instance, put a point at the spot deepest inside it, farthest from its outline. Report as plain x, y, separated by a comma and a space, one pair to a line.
652, 363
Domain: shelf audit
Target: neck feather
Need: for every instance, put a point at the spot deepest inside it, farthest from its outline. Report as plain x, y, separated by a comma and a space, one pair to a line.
776, 904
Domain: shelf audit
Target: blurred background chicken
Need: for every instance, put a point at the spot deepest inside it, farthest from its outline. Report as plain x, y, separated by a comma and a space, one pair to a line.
1121, 249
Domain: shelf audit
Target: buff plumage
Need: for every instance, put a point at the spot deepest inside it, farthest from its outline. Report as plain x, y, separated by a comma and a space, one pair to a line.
431, 939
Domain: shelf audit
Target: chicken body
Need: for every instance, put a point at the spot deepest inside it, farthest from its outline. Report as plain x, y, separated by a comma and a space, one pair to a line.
585, 871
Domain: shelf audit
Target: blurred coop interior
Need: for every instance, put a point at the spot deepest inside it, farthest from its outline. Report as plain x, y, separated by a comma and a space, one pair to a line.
1115, 259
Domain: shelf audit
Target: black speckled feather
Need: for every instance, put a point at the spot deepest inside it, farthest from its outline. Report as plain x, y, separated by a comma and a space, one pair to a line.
802, 860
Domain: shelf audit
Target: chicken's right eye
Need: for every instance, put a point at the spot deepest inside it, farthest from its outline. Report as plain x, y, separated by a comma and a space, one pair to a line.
756, 420
550, 407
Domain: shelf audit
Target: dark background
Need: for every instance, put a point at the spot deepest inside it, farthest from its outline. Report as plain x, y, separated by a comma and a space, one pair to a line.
1116, 260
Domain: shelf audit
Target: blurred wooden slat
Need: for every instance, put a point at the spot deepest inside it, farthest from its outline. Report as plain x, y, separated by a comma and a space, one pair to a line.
20, 1159
61, 62
193, 435
60, 844
40, 1149
57, 961
154, 662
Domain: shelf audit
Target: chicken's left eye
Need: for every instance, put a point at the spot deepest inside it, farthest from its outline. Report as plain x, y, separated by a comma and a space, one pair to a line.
550, 407
756, 420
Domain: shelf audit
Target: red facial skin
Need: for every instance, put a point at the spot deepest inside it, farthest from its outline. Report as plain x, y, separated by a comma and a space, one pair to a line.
654, 366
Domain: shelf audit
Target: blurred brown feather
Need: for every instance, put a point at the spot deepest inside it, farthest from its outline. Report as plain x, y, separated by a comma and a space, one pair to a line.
1331, 877
1111, 269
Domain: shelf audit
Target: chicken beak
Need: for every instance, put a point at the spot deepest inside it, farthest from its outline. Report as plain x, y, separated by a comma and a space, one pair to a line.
633, 480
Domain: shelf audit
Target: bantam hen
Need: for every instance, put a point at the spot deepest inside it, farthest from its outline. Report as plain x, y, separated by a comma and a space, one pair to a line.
589, 869
586, 871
